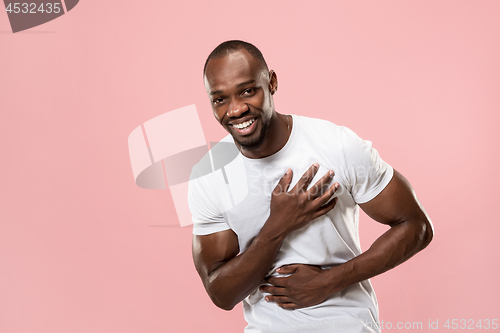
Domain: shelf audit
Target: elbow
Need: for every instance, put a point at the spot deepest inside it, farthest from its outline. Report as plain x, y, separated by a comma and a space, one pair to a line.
219, 294
226, 308
224, 305
427, 232
220, 299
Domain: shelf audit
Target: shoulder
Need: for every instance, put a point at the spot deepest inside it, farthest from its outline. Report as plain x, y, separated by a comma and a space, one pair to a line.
316, 124
336, 136
320, 131
354, 146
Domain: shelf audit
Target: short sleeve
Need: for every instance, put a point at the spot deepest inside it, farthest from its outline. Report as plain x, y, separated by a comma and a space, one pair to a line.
366, 172
206, 216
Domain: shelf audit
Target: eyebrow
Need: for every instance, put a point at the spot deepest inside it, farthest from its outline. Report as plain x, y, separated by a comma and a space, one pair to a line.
238, 85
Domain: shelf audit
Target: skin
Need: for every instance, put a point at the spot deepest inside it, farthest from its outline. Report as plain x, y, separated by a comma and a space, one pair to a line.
410, 231
241, 88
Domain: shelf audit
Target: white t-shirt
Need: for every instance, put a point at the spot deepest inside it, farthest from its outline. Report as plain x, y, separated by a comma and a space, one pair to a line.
237, 196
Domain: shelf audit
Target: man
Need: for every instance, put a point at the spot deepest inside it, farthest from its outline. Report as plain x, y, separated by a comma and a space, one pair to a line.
287, 250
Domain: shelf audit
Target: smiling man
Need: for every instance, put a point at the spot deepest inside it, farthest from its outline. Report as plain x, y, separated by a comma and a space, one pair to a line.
290, 249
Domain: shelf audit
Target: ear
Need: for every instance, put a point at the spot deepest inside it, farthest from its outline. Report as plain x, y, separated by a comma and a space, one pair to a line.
273, 82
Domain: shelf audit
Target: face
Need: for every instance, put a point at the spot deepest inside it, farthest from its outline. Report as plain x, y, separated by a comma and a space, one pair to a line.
240, 91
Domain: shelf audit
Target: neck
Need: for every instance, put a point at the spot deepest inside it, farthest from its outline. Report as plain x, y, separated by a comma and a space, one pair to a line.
276, 137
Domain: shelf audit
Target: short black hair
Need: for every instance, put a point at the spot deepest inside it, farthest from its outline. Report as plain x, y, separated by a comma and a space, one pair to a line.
234, 45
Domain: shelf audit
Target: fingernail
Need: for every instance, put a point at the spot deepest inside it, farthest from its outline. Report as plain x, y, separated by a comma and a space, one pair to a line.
337, 186
267, 299
331, 173
278, 269
316, 165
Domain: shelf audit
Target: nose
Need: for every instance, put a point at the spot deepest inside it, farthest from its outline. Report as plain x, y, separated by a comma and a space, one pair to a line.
236, 109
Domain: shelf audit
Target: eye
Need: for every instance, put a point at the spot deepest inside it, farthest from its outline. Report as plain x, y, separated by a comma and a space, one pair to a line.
218, 101
248, 91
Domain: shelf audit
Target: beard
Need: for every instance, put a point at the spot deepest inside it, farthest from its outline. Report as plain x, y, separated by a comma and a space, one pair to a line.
255, 143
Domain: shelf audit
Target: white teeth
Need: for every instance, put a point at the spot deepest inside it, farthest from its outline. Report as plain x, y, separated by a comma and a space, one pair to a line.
245, 124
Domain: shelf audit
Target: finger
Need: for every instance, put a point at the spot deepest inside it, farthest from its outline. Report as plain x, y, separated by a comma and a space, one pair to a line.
288, 306
287, 269
315, 267
306, 178
325, 197
276, 281
317, 189
275, 291
325, 208
284, 183
278, 299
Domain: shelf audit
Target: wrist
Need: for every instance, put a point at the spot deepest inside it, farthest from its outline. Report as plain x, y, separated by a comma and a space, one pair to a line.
337, 278
271, 232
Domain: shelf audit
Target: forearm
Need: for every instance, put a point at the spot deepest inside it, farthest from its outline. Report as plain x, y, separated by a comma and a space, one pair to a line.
229, 277
236, 278
392, 248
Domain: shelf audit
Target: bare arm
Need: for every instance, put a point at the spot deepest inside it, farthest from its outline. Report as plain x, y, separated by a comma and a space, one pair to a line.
411, 231
229, 277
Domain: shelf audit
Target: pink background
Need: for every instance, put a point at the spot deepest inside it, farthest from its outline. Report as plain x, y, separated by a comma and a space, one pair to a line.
83, 249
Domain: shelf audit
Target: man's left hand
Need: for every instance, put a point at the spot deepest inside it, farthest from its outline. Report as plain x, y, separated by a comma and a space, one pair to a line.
306, 286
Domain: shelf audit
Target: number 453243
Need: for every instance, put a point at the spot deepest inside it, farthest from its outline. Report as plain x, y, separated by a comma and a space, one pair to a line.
31, 8
470, 324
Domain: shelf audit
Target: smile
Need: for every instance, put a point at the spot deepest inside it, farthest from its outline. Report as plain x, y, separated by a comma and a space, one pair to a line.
245, 128
244, 125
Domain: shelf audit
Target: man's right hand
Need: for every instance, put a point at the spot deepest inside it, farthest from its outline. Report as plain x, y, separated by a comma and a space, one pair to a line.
229, 277
292, 210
